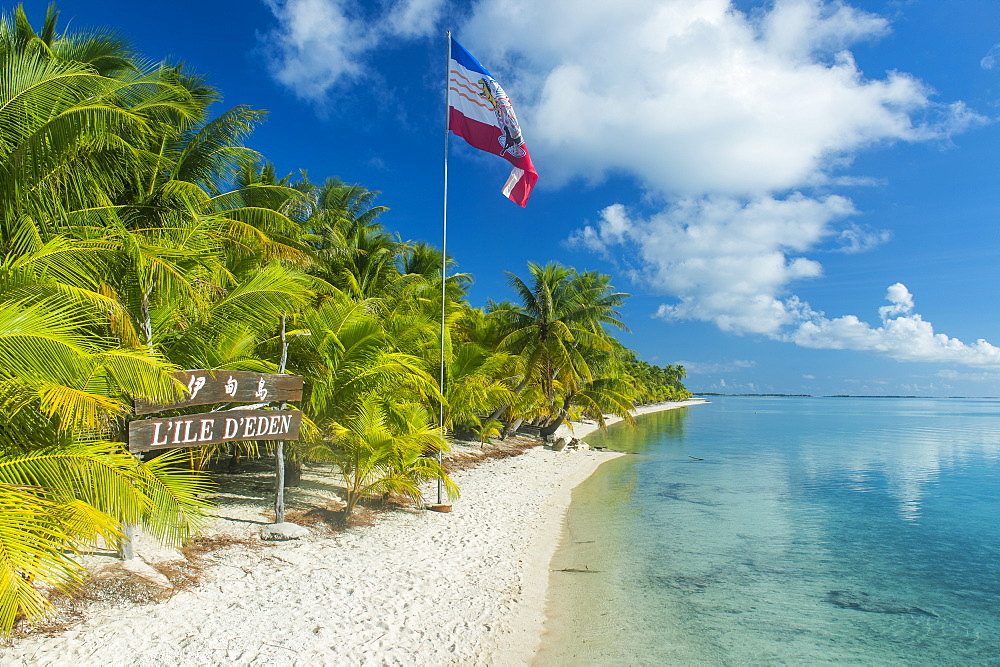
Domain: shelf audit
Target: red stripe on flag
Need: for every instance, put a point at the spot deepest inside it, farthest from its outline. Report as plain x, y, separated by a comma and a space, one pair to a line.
485, 137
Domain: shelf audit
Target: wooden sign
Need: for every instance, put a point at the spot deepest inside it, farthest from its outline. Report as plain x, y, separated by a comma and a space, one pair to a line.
213, 427
205, 387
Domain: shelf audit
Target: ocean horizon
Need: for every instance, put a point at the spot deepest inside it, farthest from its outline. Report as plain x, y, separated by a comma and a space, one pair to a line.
759, 529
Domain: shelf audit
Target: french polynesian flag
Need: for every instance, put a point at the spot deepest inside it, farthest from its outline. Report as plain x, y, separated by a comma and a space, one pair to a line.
480, 112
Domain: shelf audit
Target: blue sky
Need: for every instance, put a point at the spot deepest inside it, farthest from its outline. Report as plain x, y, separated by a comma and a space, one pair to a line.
801, 196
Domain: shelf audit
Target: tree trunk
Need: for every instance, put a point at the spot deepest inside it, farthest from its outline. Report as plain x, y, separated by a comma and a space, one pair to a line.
235, 463
146, 320
511, 428
279, 452
551, 428
495, 415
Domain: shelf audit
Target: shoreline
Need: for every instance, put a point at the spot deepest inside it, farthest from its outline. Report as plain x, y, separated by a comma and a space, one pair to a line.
581, 430
468, 587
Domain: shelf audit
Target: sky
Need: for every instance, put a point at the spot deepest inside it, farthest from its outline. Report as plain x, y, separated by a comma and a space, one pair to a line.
800, 196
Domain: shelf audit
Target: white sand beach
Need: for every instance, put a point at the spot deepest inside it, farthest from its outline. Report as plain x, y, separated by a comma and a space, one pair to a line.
417, 587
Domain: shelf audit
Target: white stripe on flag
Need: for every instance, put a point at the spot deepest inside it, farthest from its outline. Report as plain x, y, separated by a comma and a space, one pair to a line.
515, 176
464, 95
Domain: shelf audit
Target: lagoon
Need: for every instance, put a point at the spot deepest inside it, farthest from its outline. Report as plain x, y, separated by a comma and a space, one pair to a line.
771, 530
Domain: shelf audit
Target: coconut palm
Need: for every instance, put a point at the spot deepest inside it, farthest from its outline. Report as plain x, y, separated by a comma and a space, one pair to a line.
55, 500
105, 51
475, 386
71, 138
350, 248
60, 488
349, 354
382, 448
557, 328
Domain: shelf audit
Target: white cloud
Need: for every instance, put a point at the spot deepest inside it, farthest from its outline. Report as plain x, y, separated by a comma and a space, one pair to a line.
855, 238
992, 58
725, 261
903, 335
802, 29
315, 45
413, 18
318, 45
693, 97
986, 376
731, 263
901, 300
720, 115
715, 367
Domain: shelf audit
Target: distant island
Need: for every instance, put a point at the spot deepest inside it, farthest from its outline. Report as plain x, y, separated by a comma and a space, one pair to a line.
708, 393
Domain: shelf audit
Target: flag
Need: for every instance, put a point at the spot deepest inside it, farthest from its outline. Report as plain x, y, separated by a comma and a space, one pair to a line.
480, 112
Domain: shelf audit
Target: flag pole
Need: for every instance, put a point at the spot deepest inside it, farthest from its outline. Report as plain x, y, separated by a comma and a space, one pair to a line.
444, 258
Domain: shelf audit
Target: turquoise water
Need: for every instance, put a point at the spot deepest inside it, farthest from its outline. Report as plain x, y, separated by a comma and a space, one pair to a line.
814, 530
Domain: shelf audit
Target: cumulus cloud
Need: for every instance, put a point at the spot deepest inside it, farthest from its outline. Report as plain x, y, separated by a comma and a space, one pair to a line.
903, 335
694, 97
724, 261
731, 121
320, 44
730, 264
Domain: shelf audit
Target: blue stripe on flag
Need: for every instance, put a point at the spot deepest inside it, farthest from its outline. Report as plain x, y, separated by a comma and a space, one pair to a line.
465, 59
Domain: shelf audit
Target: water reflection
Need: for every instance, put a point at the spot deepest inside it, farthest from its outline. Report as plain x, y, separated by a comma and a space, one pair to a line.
904, 445
813, 530
668, 425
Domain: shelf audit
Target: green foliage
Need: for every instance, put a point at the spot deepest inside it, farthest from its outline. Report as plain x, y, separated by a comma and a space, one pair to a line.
139, 235
381, 448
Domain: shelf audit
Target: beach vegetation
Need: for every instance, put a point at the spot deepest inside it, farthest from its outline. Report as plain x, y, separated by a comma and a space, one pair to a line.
382, 448
140, 235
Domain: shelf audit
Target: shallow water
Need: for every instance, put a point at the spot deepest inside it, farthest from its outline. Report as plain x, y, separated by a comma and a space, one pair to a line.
813, 530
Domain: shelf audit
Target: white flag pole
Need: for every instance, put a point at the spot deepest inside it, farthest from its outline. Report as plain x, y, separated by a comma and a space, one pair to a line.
444, 257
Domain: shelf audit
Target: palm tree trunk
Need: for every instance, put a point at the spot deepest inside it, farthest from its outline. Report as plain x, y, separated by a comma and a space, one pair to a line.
511, 428
495, 415
293, 471
145, 319
552, 426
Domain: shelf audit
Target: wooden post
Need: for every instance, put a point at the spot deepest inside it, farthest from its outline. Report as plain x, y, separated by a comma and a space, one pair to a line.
279, 476
279, 450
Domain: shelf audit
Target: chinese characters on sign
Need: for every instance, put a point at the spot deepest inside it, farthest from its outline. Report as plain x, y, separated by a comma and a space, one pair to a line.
206, 387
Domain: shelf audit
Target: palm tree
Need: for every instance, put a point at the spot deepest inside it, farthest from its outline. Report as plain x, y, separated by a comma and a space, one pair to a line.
348, 355
105, 51
382, 448
557, 327
63, 484
474, 386
72, 140
351, 250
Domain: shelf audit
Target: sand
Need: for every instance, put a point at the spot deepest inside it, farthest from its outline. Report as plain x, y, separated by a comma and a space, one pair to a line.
417, 587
